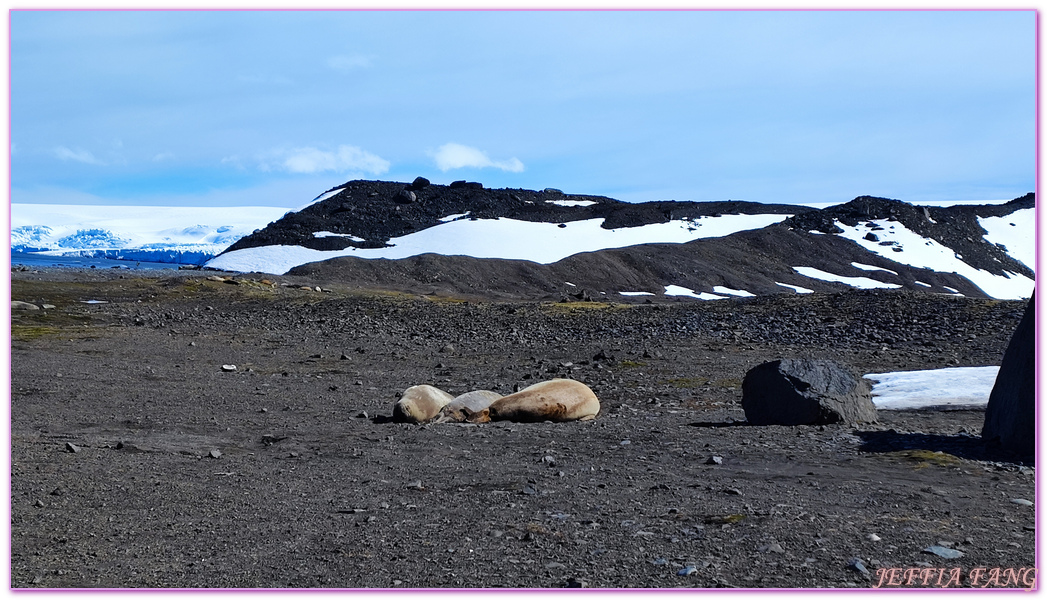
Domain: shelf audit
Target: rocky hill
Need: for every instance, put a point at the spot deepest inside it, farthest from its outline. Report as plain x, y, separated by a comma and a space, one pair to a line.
866, 243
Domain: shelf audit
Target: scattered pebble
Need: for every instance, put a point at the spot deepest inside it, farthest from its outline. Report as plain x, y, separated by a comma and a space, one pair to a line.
228, 368
775, 548
714, 460
872, 537
215, 453
71, 447
1021, 501
624, 443
688, 570
415, 485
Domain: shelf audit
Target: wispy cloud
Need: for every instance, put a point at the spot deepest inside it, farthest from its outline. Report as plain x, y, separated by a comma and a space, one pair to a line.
350, 62
313, 160
78, 155
456, 156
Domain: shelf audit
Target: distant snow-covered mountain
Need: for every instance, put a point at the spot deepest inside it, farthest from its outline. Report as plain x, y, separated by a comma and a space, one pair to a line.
182, 235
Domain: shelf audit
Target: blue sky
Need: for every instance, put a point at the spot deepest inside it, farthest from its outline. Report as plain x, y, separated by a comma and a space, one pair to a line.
275, 107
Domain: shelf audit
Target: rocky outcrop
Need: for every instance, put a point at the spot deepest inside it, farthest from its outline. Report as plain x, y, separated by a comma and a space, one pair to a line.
806, 392
1010, 417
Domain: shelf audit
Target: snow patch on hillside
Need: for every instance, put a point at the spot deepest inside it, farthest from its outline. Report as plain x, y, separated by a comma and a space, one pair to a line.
500, 238
1016, 232
902, 245
863, 283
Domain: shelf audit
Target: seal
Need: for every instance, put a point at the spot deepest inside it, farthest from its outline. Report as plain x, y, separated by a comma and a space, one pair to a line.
468, 403
555, 400
420, 403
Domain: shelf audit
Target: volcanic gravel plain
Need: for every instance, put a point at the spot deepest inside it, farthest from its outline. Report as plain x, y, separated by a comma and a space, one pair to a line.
173, 430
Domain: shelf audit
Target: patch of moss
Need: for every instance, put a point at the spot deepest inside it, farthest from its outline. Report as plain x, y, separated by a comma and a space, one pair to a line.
724, 519
631, 364
925, 458
727, 383
688, 382
24, 333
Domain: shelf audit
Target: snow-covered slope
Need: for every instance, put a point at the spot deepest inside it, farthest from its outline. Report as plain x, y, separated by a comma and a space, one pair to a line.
186, 235
500, 238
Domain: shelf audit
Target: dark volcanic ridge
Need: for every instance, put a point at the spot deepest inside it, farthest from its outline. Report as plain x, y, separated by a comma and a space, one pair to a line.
760, 261
378, 211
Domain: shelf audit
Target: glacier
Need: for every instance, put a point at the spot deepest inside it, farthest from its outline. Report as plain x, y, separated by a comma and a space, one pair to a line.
163, 234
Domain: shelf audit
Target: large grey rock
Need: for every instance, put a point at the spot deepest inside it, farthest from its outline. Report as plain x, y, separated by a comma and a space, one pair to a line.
1010, 417
806, 392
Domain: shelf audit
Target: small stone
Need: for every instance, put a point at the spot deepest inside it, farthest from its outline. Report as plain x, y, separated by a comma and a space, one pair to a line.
733, 491
659, 562
415, 485
549, 460
215, 453
856, 564
776, 548
688, 570
18, 305
872, 537
39, 504
71, 447
714, 460
943, 552
362, 415
228, 368
447, 349
576, 583
1021, 501
624, 443
345, 357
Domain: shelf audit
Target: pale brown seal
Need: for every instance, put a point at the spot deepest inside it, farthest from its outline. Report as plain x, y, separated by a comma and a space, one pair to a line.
468, 403
420, 403
553, 400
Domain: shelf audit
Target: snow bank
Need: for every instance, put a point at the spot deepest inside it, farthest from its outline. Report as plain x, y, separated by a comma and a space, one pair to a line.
958, 387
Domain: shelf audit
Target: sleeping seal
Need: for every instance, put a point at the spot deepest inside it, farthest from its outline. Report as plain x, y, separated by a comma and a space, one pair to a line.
468, 403
554, 400
420, 403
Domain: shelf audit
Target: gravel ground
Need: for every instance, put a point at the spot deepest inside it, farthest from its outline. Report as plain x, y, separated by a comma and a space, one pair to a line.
139, 461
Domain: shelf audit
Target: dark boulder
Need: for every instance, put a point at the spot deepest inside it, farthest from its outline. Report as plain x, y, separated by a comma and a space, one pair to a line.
419, 183
1010, 417
406, 197
806, 392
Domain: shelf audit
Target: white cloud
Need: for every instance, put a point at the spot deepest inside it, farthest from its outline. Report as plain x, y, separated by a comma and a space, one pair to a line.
456, 156
345, 63
314, 160
77, 155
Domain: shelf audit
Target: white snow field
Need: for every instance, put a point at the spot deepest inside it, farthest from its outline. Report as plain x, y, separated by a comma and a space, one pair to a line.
795, 288
500, 238
921, 252
677, 290
956, 387
138, 232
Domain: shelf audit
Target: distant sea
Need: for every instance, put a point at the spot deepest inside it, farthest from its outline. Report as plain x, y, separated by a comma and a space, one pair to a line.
33, 259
